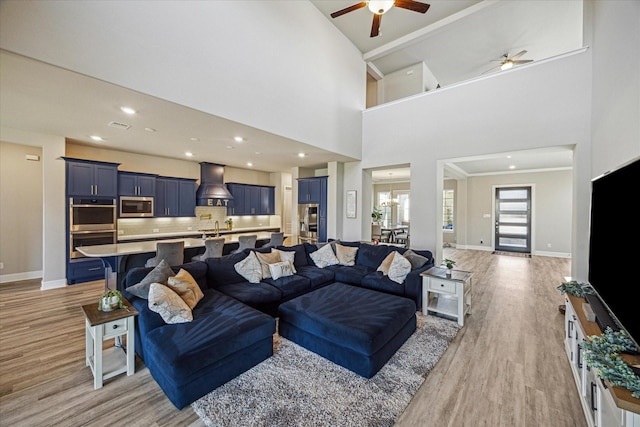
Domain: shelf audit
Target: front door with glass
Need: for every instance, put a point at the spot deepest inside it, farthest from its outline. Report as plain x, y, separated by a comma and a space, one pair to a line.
513, 219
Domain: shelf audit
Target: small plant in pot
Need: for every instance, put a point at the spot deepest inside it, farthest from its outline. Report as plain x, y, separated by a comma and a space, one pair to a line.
111, 300
376, 215
449, 263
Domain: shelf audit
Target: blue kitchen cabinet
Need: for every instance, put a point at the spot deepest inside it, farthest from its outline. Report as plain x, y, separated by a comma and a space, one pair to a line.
251, 199
175, 197
186, 197
267, 201
309, 190
236, 205
136, 184
88, 178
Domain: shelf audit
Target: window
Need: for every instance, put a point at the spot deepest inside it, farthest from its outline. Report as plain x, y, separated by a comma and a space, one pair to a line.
447, 210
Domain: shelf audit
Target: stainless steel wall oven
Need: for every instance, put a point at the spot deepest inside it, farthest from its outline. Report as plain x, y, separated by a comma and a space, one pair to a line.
91, 222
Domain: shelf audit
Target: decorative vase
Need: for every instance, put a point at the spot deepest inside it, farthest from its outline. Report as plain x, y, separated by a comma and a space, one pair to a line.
448, 272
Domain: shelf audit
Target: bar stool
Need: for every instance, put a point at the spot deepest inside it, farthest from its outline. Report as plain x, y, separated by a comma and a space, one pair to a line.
171, 252
247, 241
213, 249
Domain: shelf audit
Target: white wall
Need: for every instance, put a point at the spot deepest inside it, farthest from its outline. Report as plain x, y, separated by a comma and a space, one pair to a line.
20, 212
551, 213
53, 194
279, 66
540, 105
616, 84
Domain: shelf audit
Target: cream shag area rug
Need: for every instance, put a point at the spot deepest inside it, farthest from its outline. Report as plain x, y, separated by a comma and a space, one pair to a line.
296, 387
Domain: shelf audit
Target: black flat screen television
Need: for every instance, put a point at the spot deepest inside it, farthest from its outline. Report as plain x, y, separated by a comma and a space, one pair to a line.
614, 244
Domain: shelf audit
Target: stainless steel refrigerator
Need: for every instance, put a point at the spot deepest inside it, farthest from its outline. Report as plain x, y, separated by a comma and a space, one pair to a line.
308, 222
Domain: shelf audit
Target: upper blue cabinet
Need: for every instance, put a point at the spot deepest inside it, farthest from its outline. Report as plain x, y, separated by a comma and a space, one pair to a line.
251, 199
87, 178
136, 184
310, 189
175, 197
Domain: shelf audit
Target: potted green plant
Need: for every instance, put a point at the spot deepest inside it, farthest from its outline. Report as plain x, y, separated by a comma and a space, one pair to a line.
449, 263
376, 215
110, 300
229, 223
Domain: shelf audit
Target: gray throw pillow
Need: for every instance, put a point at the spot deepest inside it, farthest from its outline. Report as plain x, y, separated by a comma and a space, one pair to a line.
416, 260
159, 274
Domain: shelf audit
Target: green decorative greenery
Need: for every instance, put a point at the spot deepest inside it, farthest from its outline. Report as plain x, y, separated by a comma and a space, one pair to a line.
576, 289
376, 215
112, 293
602, 353
449, 263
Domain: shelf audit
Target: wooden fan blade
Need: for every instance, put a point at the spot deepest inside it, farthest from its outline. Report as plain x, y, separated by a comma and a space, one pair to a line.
522, 61
518, 55
375, 26
416, 6
349, 9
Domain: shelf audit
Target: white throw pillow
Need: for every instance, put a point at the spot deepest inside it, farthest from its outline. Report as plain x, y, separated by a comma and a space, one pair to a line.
386, 263
289, 256
266, 259
186, 287
400, 267
250, 268
324, 257
168, 304
346, 254
281, 269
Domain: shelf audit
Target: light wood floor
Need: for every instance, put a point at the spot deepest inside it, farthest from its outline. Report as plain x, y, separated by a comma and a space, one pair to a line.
506, 367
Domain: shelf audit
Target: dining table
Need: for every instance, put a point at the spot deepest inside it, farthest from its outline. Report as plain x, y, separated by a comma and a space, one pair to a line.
393, 230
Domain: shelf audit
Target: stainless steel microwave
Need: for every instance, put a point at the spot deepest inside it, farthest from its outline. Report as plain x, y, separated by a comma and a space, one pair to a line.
136, 207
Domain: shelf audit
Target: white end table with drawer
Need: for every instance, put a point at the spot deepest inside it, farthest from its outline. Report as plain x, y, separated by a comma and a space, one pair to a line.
448, 295
100, 326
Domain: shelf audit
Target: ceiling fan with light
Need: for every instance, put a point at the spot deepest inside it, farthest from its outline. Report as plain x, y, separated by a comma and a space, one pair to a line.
379, 7
507, 61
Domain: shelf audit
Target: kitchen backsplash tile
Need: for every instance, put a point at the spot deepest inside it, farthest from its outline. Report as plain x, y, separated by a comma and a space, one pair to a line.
205, 218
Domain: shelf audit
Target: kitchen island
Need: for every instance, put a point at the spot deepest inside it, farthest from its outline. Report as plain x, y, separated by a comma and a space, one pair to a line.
119, 258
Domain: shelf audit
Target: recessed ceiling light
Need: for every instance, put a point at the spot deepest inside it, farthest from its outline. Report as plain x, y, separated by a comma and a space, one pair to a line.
96, 138
512, 167
301, 154
258, 153
508, 157
238, 138
230, 147
249, 164
127, 110
194, 139
188, 154
150, 129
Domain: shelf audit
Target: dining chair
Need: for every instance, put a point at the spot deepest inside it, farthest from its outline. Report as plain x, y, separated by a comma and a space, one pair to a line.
247, 241
377, 234
171, 252
403, 238
276, 240
213, 249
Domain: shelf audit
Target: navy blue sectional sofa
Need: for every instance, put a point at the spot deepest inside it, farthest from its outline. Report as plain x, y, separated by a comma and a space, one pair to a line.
233, 325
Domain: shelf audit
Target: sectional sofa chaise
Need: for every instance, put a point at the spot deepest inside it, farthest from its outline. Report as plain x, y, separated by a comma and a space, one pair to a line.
230, 328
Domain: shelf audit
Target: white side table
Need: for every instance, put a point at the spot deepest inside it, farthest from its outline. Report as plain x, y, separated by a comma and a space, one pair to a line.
101, 326
448, 295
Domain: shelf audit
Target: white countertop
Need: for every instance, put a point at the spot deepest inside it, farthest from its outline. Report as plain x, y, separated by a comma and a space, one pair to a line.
130, 248
196, 233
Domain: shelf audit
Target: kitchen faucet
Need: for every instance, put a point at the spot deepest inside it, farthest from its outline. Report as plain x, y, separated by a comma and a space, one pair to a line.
217, 228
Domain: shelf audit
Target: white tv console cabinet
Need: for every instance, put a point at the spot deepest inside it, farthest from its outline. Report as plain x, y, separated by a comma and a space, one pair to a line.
603, 405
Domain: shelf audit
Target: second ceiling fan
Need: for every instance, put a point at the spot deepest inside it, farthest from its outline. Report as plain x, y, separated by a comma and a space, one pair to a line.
379, 7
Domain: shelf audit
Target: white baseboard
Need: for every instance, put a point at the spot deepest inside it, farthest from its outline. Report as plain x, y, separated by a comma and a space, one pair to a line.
16, 277
536, 253
552, 254
53, 284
